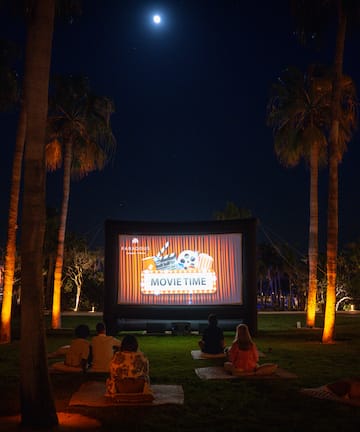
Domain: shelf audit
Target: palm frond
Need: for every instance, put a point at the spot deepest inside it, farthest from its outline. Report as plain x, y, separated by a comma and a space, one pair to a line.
78, 115
53, 153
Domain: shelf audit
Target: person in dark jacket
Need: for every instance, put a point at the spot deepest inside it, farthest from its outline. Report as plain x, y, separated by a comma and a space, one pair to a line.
212, 341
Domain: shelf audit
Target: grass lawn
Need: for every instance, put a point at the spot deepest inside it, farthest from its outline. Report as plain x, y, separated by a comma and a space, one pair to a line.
241, 405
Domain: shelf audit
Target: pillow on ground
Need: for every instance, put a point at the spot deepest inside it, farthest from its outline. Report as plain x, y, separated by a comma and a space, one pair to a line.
266, 369
346, 388
131, 398
130, 385
131, 390
61, 366
354, 392
241, 372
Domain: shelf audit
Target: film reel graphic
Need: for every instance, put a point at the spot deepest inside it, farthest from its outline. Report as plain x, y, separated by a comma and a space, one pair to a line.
188, 259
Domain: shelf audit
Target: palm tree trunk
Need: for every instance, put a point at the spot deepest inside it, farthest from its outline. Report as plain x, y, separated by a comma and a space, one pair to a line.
334, 159
10, 255
49, 281
56, 307
36, 398
313, 235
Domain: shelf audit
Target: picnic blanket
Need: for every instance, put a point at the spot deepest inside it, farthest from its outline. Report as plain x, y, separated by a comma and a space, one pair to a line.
219, 373
92, 393
60, 367
199, 355
324, 392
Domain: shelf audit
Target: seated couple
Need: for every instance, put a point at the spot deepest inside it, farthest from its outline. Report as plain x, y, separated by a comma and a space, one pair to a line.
83, 355
243, 354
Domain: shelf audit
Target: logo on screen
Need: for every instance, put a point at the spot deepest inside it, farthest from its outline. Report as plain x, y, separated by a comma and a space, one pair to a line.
135, 248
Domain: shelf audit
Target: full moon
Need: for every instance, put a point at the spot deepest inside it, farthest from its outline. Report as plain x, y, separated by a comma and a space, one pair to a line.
157, 19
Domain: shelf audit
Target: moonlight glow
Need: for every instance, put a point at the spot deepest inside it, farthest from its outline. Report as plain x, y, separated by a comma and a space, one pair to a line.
157, 19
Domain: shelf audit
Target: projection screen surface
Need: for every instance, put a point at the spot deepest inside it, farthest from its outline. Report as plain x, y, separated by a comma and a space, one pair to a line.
180, 269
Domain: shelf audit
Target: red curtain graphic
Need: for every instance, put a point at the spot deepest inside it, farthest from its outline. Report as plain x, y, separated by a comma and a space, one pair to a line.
136, 251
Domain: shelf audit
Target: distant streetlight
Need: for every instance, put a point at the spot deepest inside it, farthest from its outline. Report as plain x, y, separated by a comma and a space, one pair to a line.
157, 19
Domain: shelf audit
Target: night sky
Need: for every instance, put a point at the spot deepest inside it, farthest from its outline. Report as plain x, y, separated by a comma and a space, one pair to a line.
190, 98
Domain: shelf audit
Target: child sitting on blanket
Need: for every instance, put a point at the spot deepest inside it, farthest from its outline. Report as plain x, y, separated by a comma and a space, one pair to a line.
212, 341
129, 369
244, 356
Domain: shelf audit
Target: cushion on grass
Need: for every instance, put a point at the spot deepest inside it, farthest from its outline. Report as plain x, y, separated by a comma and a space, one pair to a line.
344, 391
129, 398
130, 385
354, 392
93, 393
346, 387
325, 392
219, 373
62, 367
199, 355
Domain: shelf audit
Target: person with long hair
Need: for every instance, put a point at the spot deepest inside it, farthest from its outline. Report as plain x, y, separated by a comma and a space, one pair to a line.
243, 355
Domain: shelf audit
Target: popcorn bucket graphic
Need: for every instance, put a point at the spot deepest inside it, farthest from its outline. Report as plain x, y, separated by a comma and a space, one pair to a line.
205, 262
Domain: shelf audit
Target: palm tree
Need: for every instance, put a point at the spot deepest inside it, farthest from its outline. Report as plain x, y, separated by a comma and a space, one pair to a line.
80, 138
312, 19
298, 112
335, 156
9, 96
37, 403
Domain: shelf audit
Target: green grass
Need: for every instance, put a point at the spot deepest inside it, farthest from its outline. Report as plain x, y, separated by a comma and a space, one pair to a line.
240, 405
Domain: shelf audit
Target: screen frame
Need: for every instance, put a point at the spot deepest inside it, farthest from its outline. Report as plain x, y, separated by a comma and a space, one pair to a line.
115, 313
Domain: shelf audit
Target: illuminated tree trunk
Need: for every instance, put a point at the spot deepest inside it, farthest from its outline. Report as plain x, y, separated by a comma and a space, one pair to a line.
313, 235
333, 197
36, 398
78, 283
56, 306
10, 255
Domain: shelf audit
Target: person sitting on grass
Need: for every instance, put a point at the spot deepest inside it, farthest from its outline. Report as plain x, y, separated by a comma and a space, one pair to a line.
212, 341
244, 355
102, 349
129, 369
77, 355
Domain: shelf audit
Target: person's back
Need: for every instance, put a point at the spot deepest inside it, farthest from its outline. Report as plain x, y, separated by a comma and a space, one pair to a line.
78, 353
212, 341
128, 368
244, 359
102, 347
244, 355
